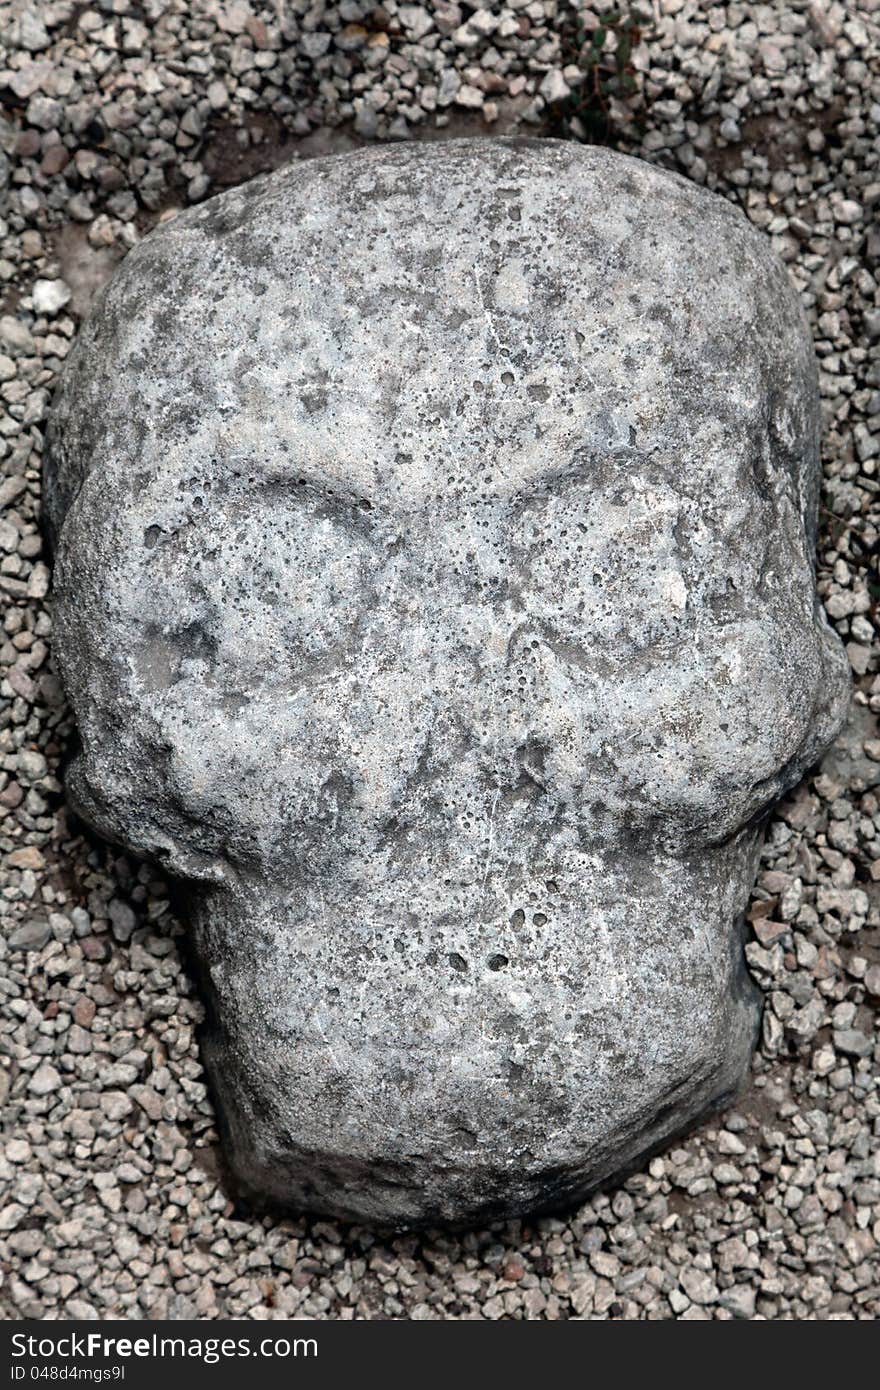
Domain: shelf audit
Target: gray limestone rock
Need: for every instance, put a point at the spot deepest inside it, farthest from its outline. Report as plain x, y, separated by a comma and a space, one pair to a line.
434, 591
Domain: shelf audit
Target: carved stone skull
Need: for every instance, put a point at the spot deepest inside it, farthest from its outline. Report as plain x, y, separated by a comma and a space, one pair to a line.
435, 597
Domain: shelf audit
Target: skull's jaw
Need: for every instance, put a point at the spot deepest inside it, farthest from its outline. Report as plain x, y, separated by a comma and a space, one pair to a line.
398, 1064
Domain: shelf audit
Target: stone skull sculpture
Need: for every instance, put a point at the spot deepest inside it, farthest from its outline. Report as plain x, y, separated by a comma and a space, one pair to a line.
435, 597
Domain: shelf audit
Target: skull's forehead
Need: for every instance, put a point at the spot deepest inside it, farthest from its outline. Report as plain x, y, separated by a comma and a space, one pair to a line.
452, 321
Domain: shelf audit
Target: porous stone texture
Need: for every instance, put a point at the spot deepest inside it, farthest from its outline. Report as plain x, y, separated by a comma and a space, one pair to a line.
434, 592
113, 1211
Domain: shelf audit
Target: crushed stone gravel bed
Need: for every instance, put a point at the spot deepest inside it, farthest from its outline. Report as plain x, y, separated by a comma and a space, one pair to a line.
113, 1200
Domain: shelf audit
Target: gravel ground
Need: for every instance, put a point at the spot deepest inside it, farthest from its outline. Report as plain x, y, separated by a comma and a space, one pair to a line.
113, 1198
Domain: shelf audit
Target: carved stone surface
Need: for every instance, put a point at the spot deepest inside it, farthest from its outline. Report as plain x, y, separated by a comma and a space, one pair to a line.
435, 597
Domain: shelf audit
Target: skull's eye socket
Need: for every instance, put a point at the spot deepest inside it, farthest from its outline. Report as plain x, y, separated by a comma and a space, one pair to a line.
255, 593
165, 654
603, 566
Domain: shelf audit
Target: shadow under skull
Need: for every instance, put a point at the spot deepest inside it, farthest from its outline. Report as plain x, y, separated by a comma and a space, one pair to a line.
435, 596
